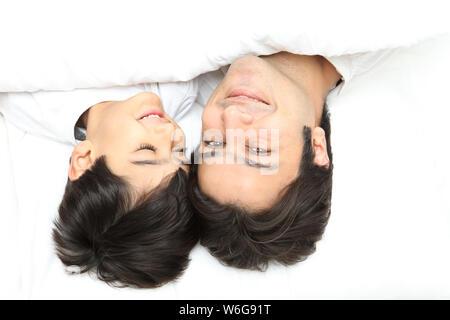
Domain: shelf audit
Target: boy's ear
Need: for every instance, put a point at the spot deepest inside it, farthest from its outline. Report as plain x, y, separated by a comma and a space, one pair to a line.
320, 147
82, 159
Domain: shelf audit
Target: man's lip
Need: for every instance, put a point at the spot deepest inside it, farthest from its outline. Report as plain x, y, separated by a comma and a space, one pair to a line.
241, 94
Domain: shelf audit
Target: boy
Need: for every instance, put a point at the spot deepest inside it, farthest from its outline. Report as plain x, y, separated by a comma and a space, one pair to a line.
124, 214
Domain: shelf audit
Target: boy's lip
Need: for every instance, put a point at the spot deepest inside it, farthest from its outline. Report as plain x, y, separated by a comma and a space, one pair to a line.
152, 117
150, 113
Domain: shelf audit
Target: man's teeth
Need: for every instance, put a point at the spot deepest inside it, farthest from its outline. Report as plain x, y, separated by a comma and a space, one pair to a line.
151, 116
242, 96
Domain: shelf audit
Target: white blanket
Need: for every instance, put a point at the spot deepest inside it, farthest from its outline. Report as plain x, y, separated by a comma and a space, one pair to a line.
388, 235
62, 45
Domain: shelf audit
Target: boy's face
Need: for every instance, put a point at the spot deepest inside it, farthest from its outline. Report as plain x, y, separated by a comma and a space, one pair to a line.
140, 141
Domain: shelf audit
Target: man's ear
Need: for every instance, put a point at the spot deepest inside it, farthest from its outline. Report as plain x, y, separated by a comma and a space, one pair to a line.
320, 147
82, 159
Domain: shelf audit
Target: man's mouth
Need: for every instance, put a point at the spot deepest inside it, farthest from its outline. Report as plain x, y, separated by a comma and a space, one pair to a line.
243, 95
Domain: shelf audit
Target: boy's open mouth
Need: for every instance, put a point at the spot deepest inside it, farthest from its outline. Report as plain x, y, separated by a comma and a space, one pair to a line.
151, 114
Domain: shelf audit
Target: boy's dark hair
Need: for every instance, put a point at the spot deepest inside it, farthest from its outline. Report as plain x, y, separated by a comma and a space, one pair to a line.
287, 232
143, 243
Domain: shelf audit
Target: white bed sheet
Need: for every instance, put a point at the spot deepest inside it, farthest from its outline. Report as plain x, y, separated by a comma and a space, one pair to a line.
388, 235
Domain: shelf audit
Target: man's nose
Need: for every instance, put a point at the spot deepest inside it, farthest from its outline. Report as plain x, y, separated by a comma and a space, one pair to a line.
234, 117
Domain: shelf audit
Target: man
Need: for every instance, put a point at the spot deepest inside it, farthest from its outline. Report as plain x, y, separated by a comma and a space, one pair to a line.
272, 201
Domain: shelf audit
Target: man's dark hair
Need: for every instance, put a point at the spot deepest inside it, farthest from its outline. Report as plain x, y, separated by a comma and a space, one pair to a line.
143, 243
287, 232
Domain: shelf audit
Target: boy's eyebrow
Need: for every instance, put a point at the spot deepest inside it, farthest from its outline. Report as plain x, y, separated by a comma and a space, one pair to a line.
150, 162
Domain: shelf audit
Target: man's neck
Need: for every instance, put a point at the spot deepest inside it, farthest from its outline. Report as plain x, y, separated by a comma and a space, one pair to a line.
313, 73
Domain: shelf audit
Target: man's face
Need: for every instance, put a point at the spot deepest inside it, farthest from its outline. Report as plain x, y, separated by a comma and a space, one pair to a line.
140, 141
256, 98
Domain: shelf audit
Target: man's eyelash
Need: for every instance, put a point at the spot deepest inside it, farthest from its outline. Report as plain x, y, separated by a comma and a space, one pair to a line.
254, 150
213, 143
146, 146
257, 150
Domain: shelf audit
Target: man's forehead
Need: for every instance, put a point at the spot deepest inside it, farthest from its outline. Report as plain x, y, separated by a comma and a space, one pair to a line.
238, 184
252, 191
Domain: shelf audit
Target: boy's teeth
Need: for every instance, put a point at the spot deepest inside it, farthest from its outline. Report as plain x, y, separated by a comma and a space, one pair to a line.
151, 116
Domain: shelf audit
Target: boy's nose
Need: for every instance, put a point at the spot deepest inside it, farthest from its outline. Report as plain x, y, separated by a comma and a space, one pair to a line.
149, 98
165, 129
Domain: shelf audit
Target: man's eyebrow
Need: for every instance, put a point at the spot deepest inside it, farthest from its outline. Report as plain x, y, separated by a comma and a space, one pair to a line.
150, 162
248, 162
